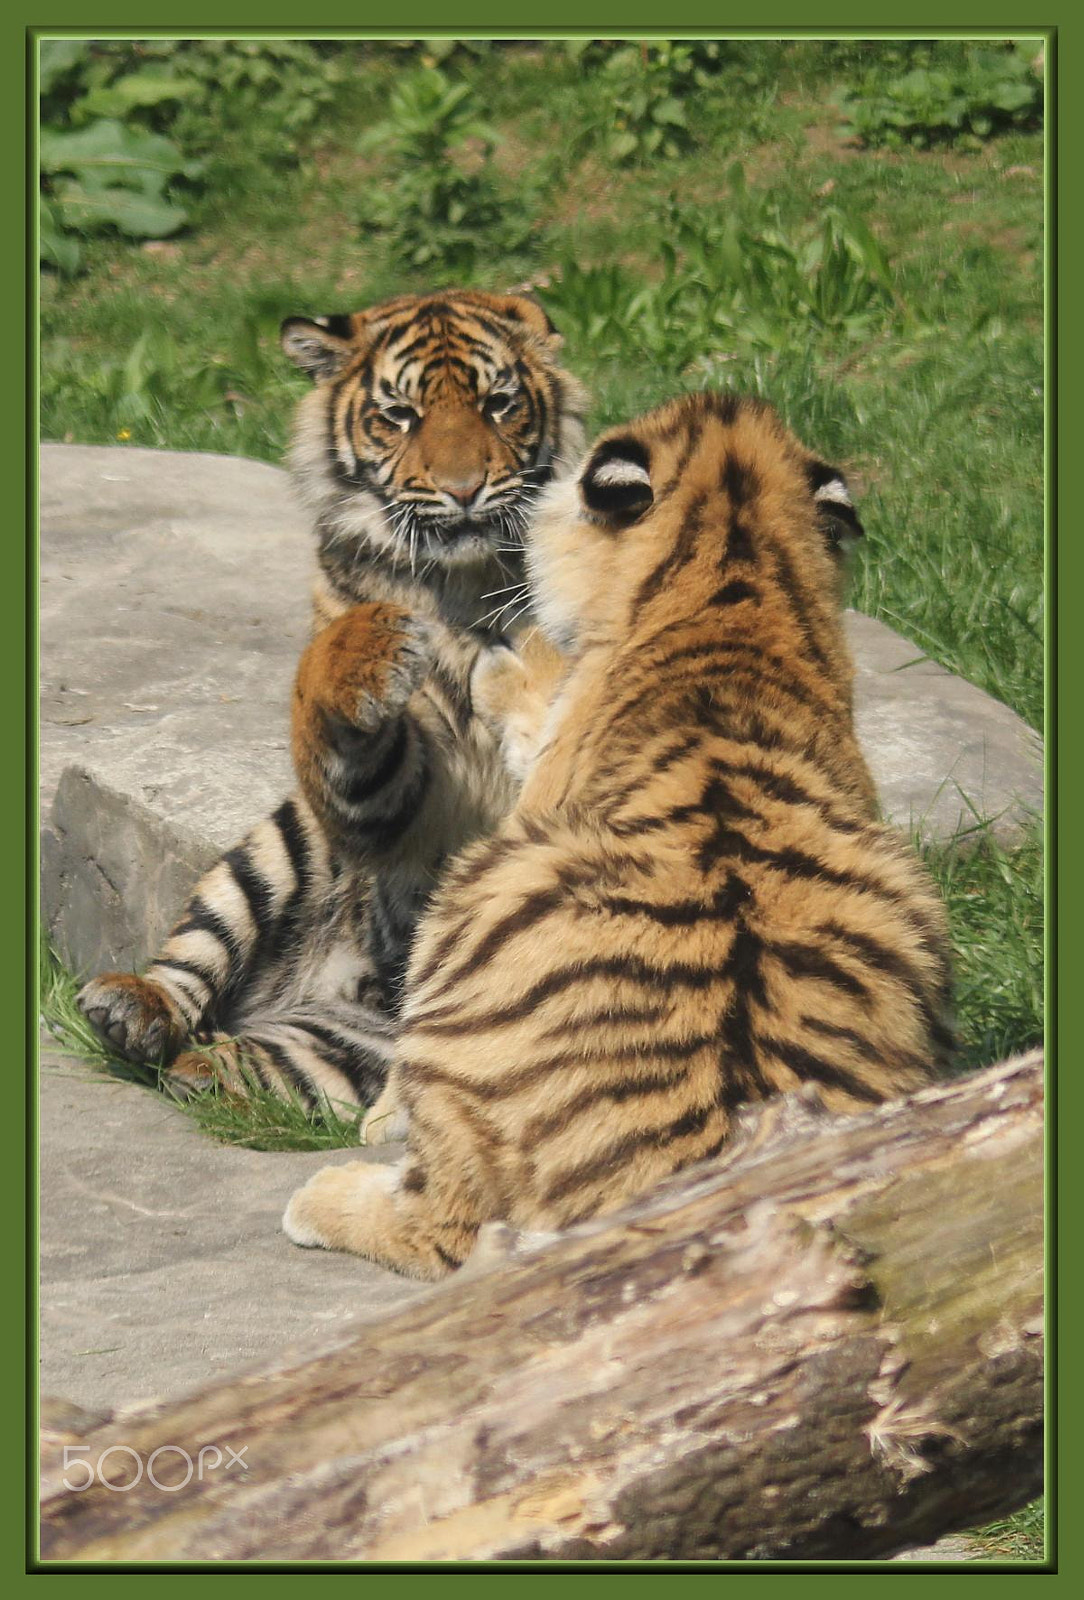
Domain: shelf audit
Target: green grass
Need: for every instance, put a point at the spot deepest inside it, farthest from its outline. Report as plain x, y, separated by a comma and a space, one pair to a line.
995, 904
262, 1121
1021, 1537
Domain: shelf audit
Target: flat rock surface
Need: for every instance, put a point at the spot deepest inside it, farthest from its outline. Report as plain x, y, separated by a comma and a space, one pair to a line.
174, 603
163, 1264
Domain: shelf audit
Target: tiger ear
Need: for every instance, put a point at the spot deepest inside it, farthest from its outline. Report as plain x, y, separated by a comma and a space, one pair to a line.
835, 508
616, 483
320, 346
530, 315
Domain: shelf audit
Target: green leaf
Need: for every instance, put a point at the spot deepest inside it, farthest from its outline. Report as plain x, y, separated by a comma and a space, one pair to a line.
669, 110
129, 154
1010, 96
57, 57
140, 216
138, 89
54, 246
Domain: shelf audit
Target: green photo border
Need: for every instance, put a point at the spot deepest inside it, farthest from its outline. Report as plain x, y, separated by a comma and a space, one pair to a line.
18, 594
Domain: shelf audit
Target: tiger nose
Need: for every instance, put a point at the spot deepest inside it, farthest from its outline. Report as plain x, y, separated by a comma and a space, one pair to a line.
464, 490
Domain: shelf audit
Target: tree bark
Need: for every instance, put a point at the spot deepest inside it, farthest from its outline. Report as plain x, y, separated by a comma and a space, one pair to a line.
827, 1344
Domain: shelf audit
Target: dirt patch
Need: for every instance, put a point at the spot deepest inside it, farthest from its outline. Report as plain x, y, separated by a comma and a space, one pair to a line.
829, 139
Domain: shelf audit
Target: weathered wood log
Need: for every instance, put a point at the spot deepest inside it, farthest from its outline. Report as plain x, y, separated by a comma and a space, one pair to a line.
826, 1344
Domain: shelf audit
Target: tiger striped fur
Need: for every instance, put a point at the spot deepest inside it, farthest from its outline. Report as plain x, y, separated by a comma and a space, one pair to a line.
692, 905
433, 422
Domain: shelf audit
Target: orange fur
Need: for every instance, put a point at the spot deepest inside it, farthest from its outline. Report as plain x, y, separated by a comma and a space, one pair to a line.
692, 904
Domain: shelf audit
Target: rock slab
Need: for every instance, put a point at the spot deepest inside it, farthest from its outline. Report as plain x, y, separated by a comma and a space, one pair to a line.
163, 1263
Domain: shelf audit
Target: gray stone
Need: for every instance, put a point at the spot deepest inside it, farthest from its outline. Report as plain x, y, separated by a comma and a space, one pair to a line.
174, 605
174, 594
163, 1265
943, 754
954, 1547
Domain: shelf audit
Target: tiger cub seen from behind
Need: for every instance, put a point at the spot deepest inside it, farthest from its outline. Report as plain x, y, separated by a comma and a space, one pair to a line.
432, 424
692, 905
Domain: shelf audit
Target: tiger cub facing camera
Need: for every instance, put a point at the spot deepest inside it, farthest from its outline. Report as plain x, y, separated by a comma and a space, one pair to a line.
692, 906
432, 424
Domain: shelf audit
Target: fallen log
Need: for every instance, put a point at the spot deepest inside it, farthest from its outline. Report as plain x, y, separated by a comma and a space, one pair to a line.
826, 1344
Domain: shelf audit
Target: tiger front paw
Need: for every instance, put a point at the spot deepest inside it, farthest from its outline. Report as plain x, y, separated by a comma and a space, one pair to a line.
134, 1016
512, 690
364, 667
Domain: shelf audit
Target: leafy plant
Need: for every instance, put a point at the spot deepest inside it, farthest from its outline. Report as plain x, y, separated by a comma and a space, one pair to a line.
445, 205
105, 175
122, 120
271, 95
648, 88
732, 279
943, 101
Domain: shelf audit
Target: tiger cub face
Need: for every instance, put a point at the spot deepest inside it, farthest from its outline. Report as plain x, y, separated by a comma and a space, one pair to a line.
677, 512
434, 421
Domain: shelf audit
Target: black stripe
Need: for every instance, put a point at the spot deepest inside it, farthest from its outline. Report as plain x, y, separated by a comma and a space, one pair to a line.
208, 979
799, 603
807, 1065
514, 1079
363, 785
256, 890
381, 833
722, 907
540, 1127
887, 1055
884, 959
807, 961
740, 480
294, 839
278, 1055
740, 1078
604, 1164
679, 556
451, 1021
780, 786
731, 594
529, 912
607, 1016
199, 917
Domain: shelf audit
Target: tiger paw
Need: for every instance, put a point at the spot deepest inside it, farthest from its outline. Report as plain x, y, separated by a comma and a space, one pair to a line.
134, 1016
364, 666
331, 1211
205, 1068
512, 689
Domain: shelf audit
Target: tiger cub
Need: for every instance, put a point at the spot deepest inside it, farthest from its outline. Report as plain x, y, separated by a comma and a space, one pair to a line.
433, 423
692, 905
